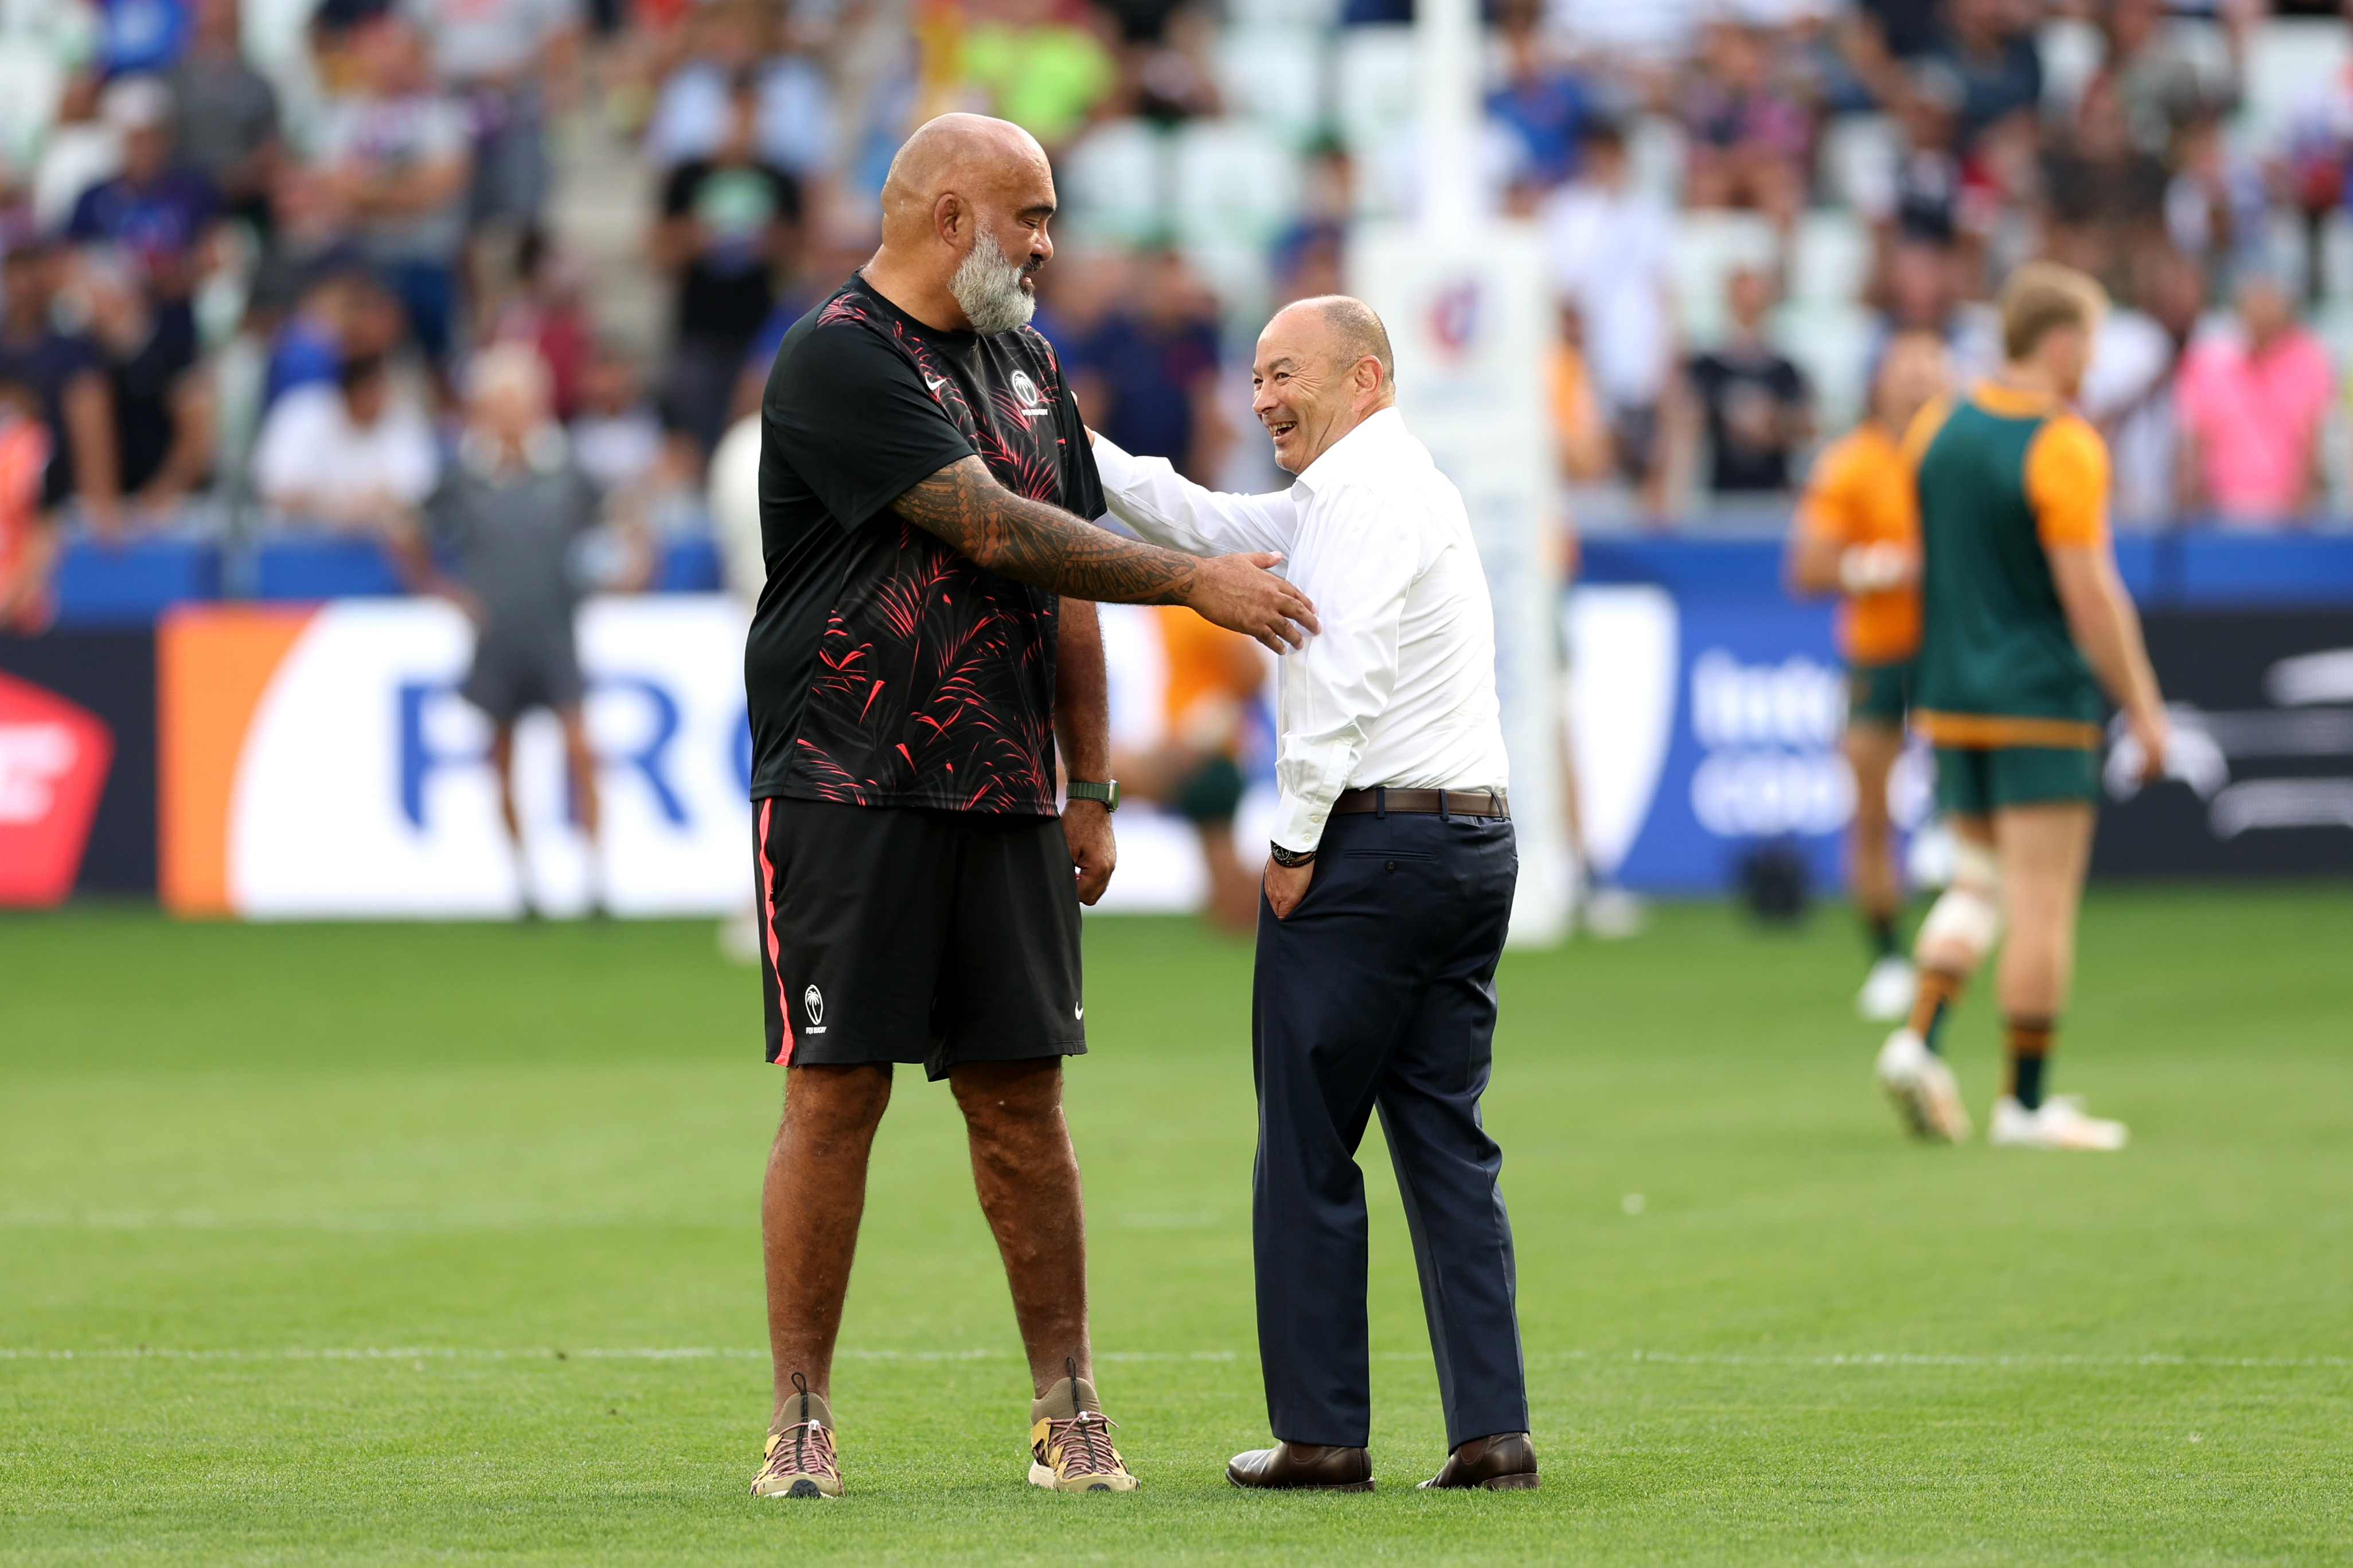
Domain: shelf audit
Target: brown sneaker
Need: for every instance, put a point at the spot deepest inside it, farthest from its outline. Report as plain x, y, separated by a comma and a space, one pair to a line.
1069, 1442
1505, 1462
800, 1459
1303, 1467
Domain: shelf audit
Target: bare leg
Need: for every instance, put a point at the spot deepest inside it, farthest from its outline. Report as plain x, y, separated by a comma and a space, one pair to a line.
1937, 949
502, 763
1871, 751
2044, 850
581, 763
809, 1209
1028, 1176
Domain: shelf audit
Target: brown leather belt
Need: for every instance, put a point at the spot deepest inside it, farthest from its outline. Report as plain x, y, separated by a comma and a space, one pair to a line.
1437, 803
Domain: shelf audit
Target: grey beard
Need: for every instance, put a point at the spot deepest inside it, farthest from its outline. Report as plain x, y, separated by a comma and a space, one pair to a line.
988, 284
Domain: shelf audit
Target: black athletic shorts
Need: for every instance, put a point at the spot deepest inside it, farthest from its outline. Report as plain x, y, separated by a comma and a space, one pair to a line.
896, 934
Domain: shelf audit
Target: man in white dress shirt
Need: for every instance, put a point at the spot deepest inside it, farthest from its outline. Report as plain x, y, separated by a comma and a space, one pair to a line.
1387, 888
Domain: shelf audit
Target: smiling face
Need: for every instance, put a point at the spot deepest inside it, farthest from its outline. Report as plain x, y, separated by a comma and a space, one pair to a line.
1312, 386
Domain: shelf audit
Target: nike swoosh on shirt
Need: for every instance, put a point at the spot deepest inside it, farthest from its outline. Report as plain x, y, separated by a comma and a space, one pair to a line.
935, 385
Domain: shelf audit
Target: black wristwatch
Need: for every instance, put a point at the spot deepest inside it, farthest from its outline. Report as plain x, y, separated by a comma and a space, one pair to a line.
1107, 792
1288, 859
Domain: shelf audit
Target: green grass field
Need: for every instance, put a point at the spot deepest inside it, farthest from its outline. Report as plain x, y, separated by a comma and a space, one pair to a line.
391, 1244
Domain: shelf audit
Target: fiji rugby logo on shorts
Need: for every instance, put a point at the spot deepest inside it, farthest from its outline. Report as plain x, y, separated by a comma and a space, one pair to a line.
1030, 405
813, 1004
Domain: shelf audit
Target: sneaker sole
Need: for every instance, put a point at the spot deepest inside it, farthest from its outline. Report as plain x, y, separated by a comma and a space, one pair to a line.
804, 1487
1043, 1477
1915, 1103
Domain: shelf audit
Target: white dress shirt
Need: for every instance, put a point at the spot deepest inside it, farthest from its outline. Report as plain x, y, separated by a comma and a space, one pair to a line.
1398, 689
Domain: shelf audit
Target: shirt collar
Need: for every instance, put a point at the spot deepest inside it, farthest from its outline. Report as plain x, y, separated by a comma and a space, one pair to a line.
2012, 402
1352, 451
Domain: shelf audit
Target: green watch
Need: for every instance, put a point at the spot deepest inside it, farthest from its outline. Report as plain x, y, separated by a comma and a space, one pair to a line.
1107, 792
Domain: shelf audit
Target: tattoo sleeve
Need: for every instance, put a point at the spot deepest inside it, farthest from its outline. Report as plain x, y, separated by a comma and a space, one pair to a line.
1043, 545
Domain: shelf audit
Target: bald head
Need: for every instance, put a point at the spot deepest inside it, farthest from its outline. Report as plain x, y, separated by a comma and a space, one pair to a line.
1322, 368
983, 162
1352, 328
965, 210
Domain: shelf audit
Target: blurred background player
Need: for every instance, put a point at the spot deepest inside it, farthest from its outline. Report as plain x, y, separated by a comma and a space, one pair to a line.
1858, 535
2023, 624
1213, 678
510, 510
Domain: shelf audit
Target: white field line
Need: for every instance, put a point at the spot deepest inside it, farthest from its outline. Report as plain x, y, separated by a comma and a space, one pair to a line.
1873, 1359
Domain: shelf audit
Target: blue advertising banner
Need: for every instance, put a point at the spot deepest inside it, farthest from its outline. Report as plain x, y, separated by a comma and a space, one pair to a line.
1704, 724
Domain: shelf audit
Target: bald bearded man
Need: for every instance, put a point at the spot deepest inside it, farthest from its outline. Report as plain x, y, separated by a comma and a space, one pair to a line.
923, 643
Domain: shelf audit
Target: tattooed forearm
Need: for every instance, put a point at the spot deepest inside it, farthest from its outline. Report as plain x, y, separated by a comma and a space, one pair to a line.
1044, 545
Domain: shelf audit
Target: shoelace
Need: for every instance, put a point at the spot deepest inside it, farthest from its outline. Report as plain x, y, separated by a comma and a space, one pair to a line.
802, 1433
793, 1459
1082, 1425
1077, 1436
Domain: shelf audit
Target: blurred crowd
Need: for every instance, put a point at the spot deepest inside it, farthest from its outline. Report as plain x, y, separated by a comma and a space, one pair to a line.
1741, 201
250, 249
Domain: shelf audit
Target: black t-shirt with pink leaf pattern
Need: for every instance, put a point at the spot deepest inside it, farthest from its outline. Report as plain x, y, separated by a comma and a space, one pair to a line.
884, 668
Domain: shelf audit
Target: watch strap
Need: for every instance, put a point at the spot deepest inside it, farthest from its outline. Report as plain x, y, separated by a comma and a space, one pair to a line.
1106, 791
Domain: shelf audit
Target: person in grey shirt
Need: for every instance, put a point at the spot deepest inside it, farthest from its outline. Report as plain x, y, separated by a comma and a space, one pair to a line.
509, 512
225, 113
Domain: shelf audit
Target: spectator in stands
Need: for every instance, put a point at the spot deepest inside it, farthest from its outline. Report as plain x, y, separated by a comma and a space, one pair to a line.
1988, 47
1540, 100
2156, 71
225, 116
2251, 404
66, 371
617, 436
157, 210
1920, 292
504, 60
29, 535
80, 149
1609, 247
2128, 387
1747, 398
397, 157
2217, 206
1174, 77
2104, 198
730, 223
1150, 369
1750, 139
137, 37
695, 110
510, 510
162, 394
544, 307
1041, 65
353, 455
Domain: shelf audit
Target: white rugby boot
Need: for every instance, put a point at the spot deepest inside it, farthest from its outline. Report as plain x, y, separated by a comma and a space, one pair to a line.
1921, 1087
2059, 1123
1887, 991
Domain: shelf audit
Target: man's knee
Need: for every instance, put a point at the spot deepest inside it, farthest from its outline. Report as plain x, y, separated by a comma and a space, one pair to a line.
1003, 1096
831, 1099
1968, 915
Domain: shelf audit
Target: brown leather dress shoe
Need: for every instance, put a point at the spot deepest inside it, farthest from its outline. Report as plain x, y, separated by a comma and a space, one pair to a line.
1308, 1467
1506, 1461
